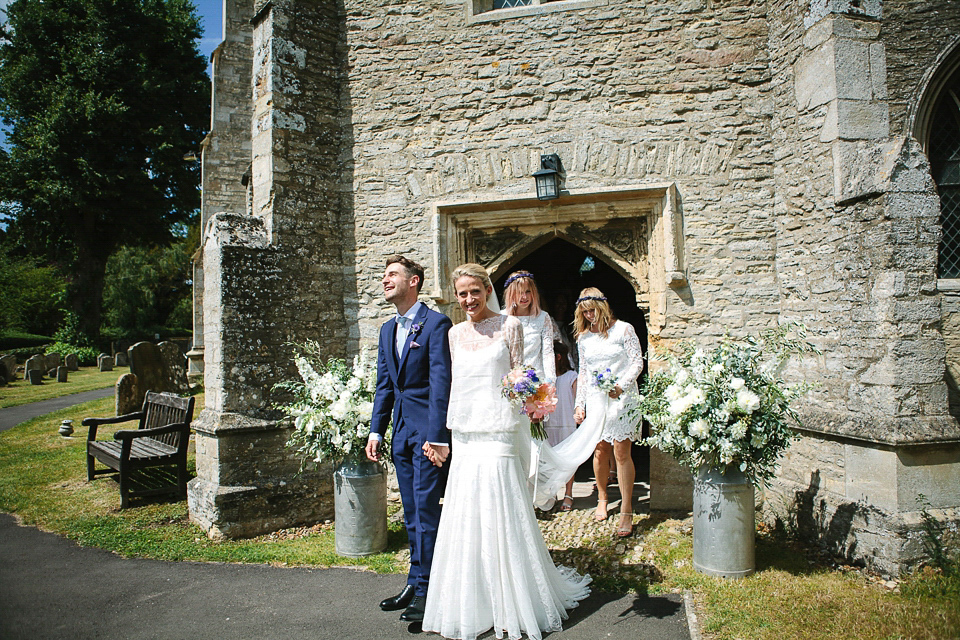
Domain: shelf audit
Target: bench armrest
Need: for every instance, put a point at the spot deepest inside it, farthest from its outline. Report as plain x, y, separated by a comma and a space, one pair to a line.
93, 423
131, 434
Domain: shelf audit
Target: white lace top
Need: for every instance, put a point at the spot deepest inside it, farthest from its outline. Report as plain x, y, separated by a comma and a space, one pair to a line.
620, 352
538, 344
482, 353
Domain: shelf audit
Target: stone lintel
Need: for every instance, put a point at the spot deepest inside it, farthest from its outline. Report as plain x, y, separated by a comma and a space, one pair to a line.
904, 431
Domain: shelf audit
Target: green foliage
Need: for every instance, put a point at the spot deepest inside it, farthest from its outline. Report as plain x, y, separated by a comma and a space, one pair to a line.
101, 99
70, 333
148, 290
21, 340
86, 356
31, 291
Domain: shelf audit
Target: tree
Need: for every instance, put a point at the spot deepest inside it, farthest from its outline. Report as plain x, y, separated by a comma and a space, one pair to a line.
101, 99
31, 295
148, 289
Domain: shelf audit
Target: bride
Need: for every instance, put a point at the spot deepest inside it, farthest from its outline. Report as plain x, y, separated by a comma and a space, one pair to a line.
491, 567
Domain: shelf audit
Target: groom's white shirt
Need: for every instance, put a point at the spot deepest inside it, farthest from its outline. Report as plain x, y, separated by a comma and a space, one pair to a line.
403, 328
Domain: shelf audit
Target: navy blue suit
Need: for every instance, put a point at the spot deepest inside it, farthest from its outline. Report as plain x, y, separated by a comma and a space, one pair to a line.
415, 388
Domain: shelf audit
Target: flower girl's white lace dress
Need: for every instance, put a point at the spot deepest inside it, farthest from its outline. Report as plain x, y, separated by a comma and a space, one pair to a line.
491, 567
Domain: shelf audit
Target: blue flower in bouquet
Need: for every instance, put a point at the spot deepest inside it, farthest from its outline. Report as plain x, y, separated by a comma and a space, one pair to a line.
605, 380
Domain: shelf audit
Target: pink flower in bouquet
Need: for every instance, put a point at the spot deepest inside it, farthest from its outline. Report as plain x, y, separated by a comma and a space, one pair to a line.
542, 402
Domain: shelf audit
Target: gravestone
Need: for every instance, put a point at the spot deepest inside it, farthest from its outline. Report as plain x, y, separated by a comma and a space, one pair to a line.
34, 363
105, 362
35, 376
9, 363
53, 360
72, 362
61, 374
146, 363
174, 367
3, 377
52, 373
126, 396
120, 360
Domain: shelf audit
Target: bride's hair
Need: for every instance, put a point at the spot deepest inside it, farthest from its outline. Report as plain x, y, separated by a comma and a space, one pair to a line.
511, 294
472, 270
592, 298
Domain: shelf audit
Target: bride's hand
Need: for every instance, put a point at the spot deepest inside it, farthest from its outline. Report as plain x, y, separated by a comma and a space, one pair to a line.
578, 415
616, 392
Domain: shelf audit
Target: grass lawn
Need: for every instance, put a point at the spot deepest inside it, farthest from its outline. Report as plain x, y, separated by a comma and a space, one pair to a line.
86, 379
792, 595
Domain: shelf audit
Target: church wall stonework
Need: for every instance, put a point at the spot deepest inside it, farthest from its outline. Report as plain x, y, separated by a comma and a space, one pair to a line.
779, 132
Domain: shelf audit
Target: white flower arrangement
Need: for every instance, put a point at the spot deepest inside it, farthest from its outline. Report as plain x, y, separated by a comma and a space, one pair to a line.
727, 406
332, 405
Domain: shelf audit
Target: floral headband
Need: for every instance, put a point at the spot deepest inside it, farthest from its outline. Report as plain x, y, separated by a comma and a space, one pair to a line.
515, 277
587, 298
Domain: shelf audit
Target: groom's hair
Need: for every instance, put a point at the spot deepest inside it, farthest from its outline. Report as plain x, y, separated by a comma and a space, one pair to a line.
412, 268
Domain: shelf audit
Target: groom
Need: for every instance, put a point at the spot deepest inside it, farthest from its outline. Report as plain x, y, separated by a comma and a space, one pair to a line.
413, 383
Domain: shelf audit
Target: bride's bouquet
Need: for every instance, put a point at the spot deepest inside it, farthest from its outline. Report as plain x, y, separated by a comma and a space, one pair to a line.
522, 387
605, 380
332, 405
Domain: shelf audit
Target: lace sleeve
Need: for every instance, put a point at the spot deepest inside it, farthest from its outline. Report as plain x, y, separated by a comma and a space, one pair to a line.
581, 378
549, 360
631, 346
513, 335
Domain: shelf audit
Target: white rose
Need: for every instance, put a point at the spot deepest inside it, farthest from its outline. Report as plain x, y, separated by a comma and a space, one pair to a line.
737, 383
748, 401
699, 428
682, 377
695, 396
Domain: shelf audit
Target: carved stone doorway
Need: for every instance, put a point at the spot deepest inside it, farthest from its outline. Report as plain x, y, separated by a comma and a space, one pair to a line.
561, 270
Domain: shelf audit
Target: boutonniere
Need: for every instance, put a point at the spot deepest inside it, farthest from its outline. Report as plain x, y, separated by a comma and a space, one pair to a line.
415, 328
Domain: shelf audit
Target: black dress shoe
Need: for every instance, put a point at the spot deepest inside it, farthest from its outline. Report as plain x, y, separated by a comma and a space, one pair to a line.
414, 613
399, 601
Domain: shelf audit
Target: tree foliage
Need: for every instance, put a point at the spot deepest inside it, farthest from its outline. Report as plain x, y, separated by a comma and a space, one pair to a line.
149, 289
101, 99
31, 295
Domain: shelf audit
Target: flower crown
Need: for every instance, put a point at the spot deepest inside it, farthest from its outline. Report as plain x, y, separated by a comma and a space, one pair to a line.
586, 298
515, 277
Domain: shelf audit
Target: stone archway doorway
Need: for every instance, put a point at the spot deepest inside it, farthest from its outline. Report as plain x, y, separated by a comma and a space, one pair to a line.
561, 270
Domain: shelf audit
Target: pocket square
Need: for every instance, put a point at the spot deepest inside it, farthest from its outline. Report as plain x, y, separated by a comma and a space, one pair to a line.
414, 344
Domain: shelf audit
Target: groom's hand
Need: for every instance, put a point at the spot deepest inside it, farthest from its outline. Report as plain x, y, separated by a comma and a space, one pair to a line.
373, 450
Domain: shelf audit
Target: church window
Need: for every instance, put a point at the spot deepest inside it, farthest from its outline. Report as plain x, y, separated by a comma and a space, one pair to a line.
944, 153
491, 10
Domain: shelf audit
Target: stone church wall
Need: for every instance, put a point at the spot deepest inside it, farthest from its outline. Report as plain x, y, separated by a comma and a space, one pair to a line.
774, 134
626, 94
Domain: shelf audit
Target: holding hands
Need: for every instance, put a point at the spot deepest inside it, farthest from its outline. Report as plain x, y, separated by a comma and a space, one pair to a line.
437, 453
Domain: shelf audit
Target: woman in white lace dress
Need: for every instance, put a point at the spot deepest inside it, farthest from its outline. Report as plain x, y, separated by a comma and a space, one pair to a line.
522, 299
491, 567
607, 343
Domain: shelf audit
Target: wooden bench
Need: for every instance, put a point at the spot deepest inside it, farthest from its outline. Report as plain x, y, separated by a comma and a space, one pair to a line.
146, 458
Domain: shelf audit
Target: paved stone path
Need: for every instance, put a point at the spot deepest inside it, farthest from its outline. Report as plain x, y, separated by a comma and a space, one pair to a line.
12, 416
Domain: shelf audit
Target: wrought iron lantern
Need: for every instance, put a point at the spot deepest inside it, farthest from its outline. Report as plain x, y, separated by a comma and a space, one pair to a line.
550, 177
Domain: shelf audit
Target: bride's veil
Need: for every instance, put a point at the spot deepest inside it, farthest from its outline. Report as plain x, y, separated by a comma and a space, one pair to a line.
492, 303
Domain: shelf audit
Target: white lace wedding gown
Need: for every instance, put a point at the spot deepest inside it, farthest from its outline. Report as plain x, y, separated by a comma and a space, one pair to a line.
491, 567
